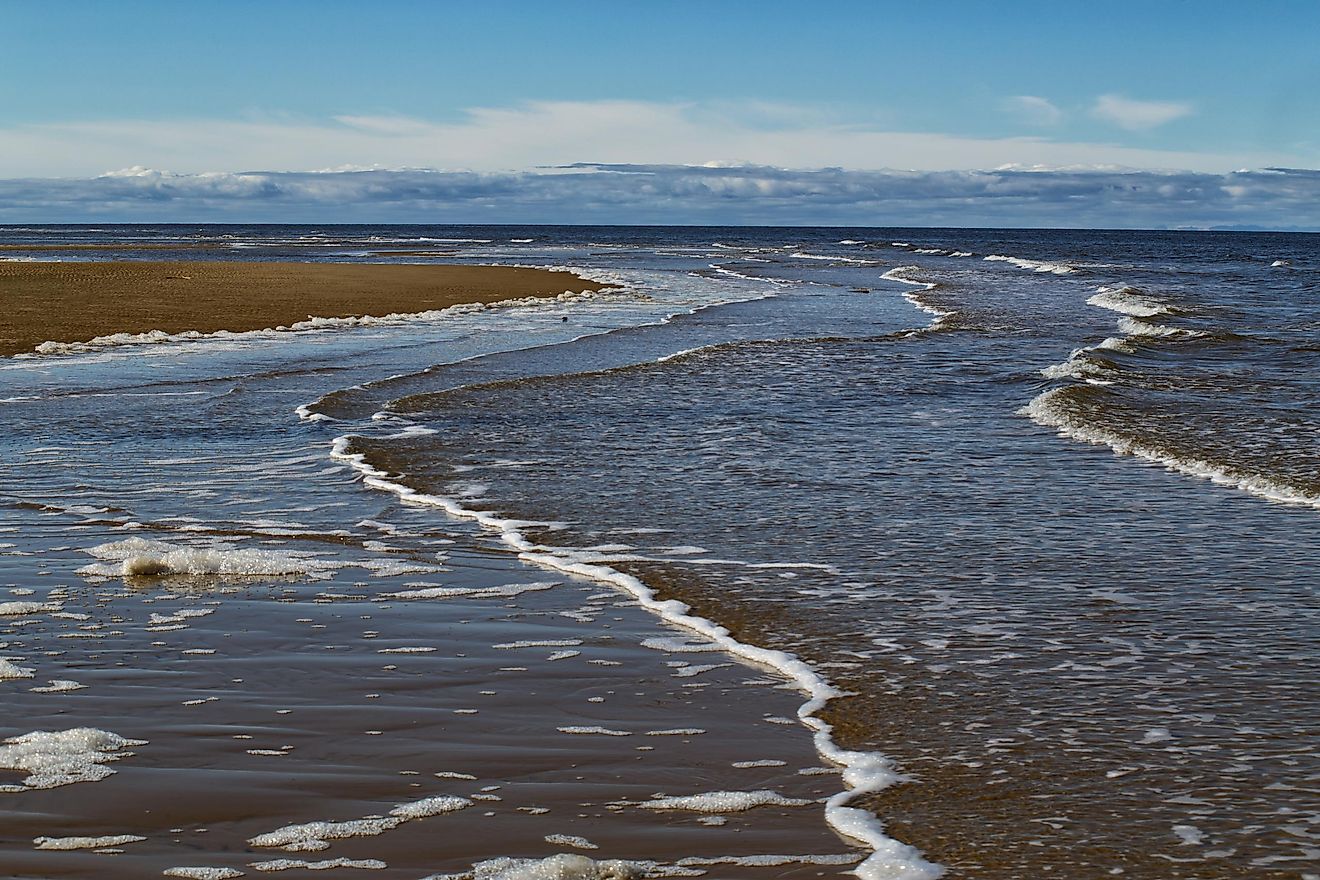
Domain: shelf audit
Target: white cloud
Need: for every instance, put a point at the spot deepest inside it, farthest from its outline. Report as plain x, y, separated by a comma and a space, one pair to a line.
554, 133
1034, 110
1138, 115
684, 194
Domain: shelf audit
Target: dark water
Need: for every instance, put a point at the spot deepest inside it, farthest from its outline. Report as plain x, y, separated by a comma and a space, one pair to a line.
1085, 663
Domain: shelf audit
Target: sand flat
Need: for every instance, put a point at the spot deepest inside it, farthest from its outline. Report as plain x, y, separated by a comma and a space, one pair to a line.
78, 301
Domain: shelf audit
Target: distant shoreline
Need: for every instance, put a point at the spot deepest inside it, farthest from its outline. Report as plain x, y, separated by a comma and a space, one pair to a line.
79, 301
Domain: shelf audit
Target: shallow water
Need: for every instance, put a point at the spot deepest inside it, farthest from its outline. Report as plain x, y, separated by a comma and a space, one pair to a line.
1084, 663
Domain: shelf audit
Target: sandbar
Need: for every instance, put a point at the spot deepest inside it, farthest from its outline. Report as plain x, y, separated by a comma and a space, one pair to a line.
79, 301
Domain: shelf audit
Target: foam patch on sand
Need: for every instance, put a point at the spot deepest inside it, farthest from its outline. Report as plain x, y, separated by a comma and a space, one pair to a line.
560, 867
315, 836
71, 843
589, 730
725, 801
55, 758
504, 591
139, 557
430, 806
570, 840
203, 873
772, 861
325, 865
9, 672
15, 609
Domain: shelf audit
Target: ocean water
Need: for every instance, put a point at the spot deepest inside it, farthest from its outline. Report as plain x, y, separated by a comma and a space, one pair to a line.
1040, 505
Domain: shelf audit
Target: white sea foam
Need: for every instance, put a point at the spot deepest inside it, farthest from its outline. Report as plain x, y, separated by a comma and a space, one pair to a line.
862, 772
1033, 265
203, 873
725, 801
63, 757
72, 843
141, 557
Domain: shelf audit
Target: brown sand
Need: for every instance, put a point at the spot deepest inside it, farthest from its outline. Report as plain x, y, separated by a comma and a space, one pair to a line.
291, 701
75, 302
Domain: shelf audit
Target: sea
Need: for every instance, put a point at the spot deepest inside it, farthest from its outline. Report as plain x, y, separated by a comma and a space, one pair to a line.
1022, 526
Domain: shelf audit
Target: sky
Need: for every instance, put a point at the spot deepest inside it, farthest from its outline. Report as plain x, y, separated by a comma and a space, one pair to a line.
940, 113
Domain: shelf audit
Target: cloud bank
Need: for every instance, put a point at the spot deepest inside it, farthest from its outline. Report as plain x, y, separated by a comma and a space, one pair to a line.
1274, 198
562, 132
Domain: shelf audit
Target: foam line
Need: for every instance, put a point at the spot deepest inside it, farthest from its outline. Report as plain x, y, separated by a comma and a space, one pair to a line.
896, 274
863, 772
1033, 265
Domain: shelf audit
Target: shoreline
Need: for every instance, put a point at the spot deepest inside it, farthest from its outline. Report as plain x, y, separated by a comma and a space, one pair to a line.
864, 773
74, 302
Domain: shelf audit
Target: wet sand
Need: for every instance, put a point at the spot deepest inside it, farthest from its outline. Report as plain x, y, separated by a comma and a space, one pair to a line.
79, 301
546, 705
292, 702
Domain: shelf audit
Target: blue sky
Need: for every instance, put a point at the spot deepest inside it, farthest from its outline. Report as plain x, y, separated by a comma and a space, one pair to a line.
90, 88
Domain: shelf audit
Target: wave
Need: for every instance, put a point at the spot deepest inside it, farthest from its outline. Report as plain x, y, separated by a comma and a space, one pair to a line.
138, 557
1129, 301
863, 772
1140, 327
1049, 410
1033, 265
1137, 307
1079, 366
803, 256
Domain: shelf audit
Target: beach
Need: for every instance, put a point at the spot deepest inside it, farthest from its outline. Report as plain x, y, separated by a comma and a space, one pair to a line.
79, 301
784, 553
